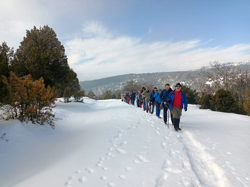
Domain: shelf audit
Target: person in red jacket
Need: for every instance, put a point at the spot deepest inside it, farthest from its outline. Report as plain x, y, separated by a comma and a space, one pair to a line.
178, 101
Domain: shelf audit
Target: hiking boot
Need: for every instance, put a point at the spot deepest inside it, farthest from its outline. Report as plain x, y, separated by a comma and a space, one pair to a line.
179, 129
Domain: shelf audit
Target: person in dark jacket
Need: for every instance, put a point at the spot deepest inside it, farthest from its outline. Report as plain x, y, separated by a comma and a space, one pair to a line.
165, 98
143, 100
133, 98
152, 100
138, 99
146, 97
178, 101
158, 102
128, 97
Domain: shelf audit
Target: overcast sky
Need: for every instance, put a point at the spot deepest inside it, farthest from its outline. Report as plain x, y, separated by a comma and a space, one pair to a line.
104, 38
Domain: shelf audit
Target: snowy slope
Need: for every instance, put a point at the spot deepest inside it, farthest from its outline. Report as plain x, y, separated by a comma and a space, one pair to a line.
110, 143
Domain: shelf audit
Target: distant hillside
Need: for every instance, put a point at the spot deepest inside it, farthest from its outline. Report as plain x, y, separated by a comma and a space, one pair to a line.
116, 83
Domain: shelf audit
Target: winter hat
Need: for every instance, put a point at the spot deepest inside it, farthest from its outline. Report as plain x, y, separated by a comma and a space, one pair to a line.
178, 84
159, 90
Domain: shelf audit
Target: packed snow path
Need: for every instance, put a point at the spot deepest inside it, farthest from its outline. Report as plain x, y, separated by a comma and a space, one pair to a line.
109, 143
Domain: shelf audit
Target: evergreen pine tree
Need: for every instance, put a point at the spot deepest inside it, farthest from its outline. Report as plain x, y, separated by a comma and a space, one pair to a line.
91, 94
6, 57
107, 95
78, 96
41, 54
205, 101
223, 101
192, 95
247, 104
118, 96
5, 91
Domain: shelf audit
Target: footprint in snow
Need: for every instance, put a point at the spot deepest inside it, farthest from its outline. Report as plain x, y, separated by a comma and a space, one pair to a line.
157, 132
123, 143
121, 151
90, 170
104, 168
104, 178
128, 168
82, 179
71, 178
109, 154
122, 177
163, 145
186, 181
78, 172
171, 153
98, 165
67, 183
102, 158
142, 158
171, 170
161, 180
111, 184
136, 161
186, 165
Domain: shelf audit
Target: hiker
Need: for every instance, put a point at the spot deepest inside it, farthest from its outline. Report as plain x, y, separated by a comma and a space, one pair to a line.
125, 97
158, 102
178, 101
128, 97
143, 100
122, 96
146, 97
138, 98
152, 100
166, 100
133, 98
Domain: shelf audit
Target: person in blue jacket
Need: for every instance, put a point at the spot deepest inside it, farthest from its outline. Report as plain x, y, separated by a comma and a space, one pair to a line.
143, 100
158, 102
152, 100
165, 98
133, 98
178, 101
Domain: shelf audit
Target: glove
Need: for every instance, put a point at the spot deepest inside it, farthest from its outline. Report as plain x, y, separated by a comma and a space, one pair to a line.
185, 109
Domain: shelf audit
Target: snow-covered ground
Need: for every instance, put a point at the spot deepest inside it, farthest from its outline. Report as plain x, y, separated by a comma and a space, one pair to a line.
109, 143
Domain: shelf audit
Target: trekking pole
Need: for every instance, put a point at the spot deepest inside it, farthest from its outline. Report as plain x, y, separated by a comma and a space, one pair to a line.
168, 117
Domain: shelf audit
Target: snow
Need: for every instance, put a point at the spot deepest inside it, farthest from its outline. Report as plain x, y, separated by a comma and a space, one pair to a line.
109, 143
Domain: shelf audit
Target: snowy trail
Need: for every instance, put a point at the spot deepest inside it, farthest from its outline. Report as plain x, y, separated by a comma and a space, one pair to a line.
110, 143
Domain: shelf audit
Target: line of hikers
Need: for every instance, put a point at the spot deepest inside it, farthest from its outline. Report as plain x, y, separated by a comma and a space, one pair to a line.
166, 99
